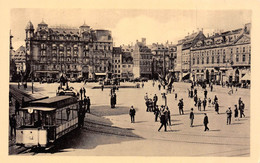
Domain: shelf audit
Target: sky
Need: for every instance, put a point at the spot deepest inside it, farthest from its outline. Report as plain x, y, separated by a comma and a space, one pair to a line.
129, 25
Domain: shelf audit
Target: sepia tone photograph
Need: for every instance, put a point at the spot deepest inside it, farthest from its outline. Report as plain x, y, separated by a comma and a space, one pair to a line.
129, 82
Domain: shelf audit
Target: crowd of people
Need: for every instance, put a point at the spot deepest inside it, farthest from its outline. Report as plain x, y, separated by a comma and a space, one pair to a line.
163, 111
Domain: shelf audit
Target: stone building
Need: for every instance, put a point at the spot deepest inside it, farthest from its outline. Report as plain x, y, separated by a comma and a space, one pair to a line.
222, 57
19, 59
74, 52
164, 56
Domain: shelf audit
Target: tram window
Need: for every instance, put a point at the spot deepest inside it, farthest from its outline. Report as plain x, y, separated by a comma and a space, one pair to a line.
68, 114
58, 118
48, 118
64, 115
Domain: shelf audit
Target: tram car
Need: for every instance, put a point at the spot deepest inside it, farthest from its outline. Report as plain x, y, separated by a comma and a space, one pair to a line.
44, 121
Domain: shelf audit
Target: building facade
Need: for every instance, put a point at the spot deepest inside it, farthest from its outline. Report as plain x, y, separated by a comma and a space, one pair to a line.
164, 56
19, 58
74, 52
222, 57
117, 62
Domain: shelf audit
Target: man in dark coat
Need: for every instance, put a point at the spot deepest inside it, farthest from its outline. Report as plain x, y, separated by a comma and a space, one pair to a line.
81, 91
159, 86
195, 99
155, 99
88, 104
163, 123
204, 104
168, 116
13, 125
156, 112
191, 117
132, 114
205, 122
180, 104
205, 93
217, 107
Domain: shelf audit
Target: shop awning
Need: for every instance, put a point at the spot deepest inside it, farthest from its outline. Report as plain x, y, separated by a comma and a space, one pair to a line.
246, 77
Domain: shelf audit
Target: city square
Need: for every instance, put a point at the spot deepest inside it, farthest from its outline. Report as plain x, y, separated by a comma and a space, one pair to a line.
91, 88
221, 140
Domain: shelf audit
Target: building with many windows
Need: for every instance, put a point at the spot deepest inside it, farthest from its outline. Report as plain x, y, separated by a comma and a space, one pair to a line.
222, 57
164, 56
117, 61
74, 52
19, 58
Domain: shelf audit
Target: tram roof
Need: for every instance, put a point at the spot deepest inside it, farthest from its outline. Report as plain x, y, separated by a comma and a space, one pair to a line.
38, 108
55, 102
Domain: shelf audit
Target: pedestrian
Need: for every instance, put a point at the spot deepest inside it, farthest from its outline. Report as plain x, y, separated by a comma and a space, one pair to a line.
156, 112
206, 122
199, 104
13, 124
242, 109
84, 92
215, 99
229, 115
211, 87
88, 104
195, 99
180, 104
168, 115
163, 122
176, 95
146, 96
17, 107
132, 114
236, 113
81, 91
191, 117
191, 94
204, 104
112, 100
155, 99
102, 87
159, 87
142, 84
205, 93
153, 83
239, 101
195, 92
217, 107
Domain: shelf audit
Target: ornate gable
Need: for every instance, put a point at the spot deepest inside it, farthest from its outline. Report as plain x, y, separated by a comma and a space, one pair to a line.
244, 39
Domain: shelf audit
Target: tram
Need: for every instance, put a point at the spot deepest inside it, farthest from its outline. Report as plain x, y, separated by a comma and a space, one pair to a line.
44, 121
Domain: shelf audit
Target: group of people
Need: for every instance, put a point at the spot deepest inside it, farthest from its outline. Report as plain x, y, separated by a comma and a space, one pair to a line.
150, 103
240, 108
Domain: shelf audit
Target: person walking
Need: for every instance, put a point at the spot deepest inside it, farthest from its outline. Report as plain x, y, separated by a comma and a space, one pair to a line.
17, 107
132, 114
84, 91
155, 99
13, 124
206, 122
209, 102
163, 123
211, 87
156, 112
159, 87
88, 104
102, 87
191, 117
229, 115
236, 113
217, 107
195, 99
176, 96
242, 109
204, 103
205, 93
112, 100
168, 116
81, 91
199, 104
180, 107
